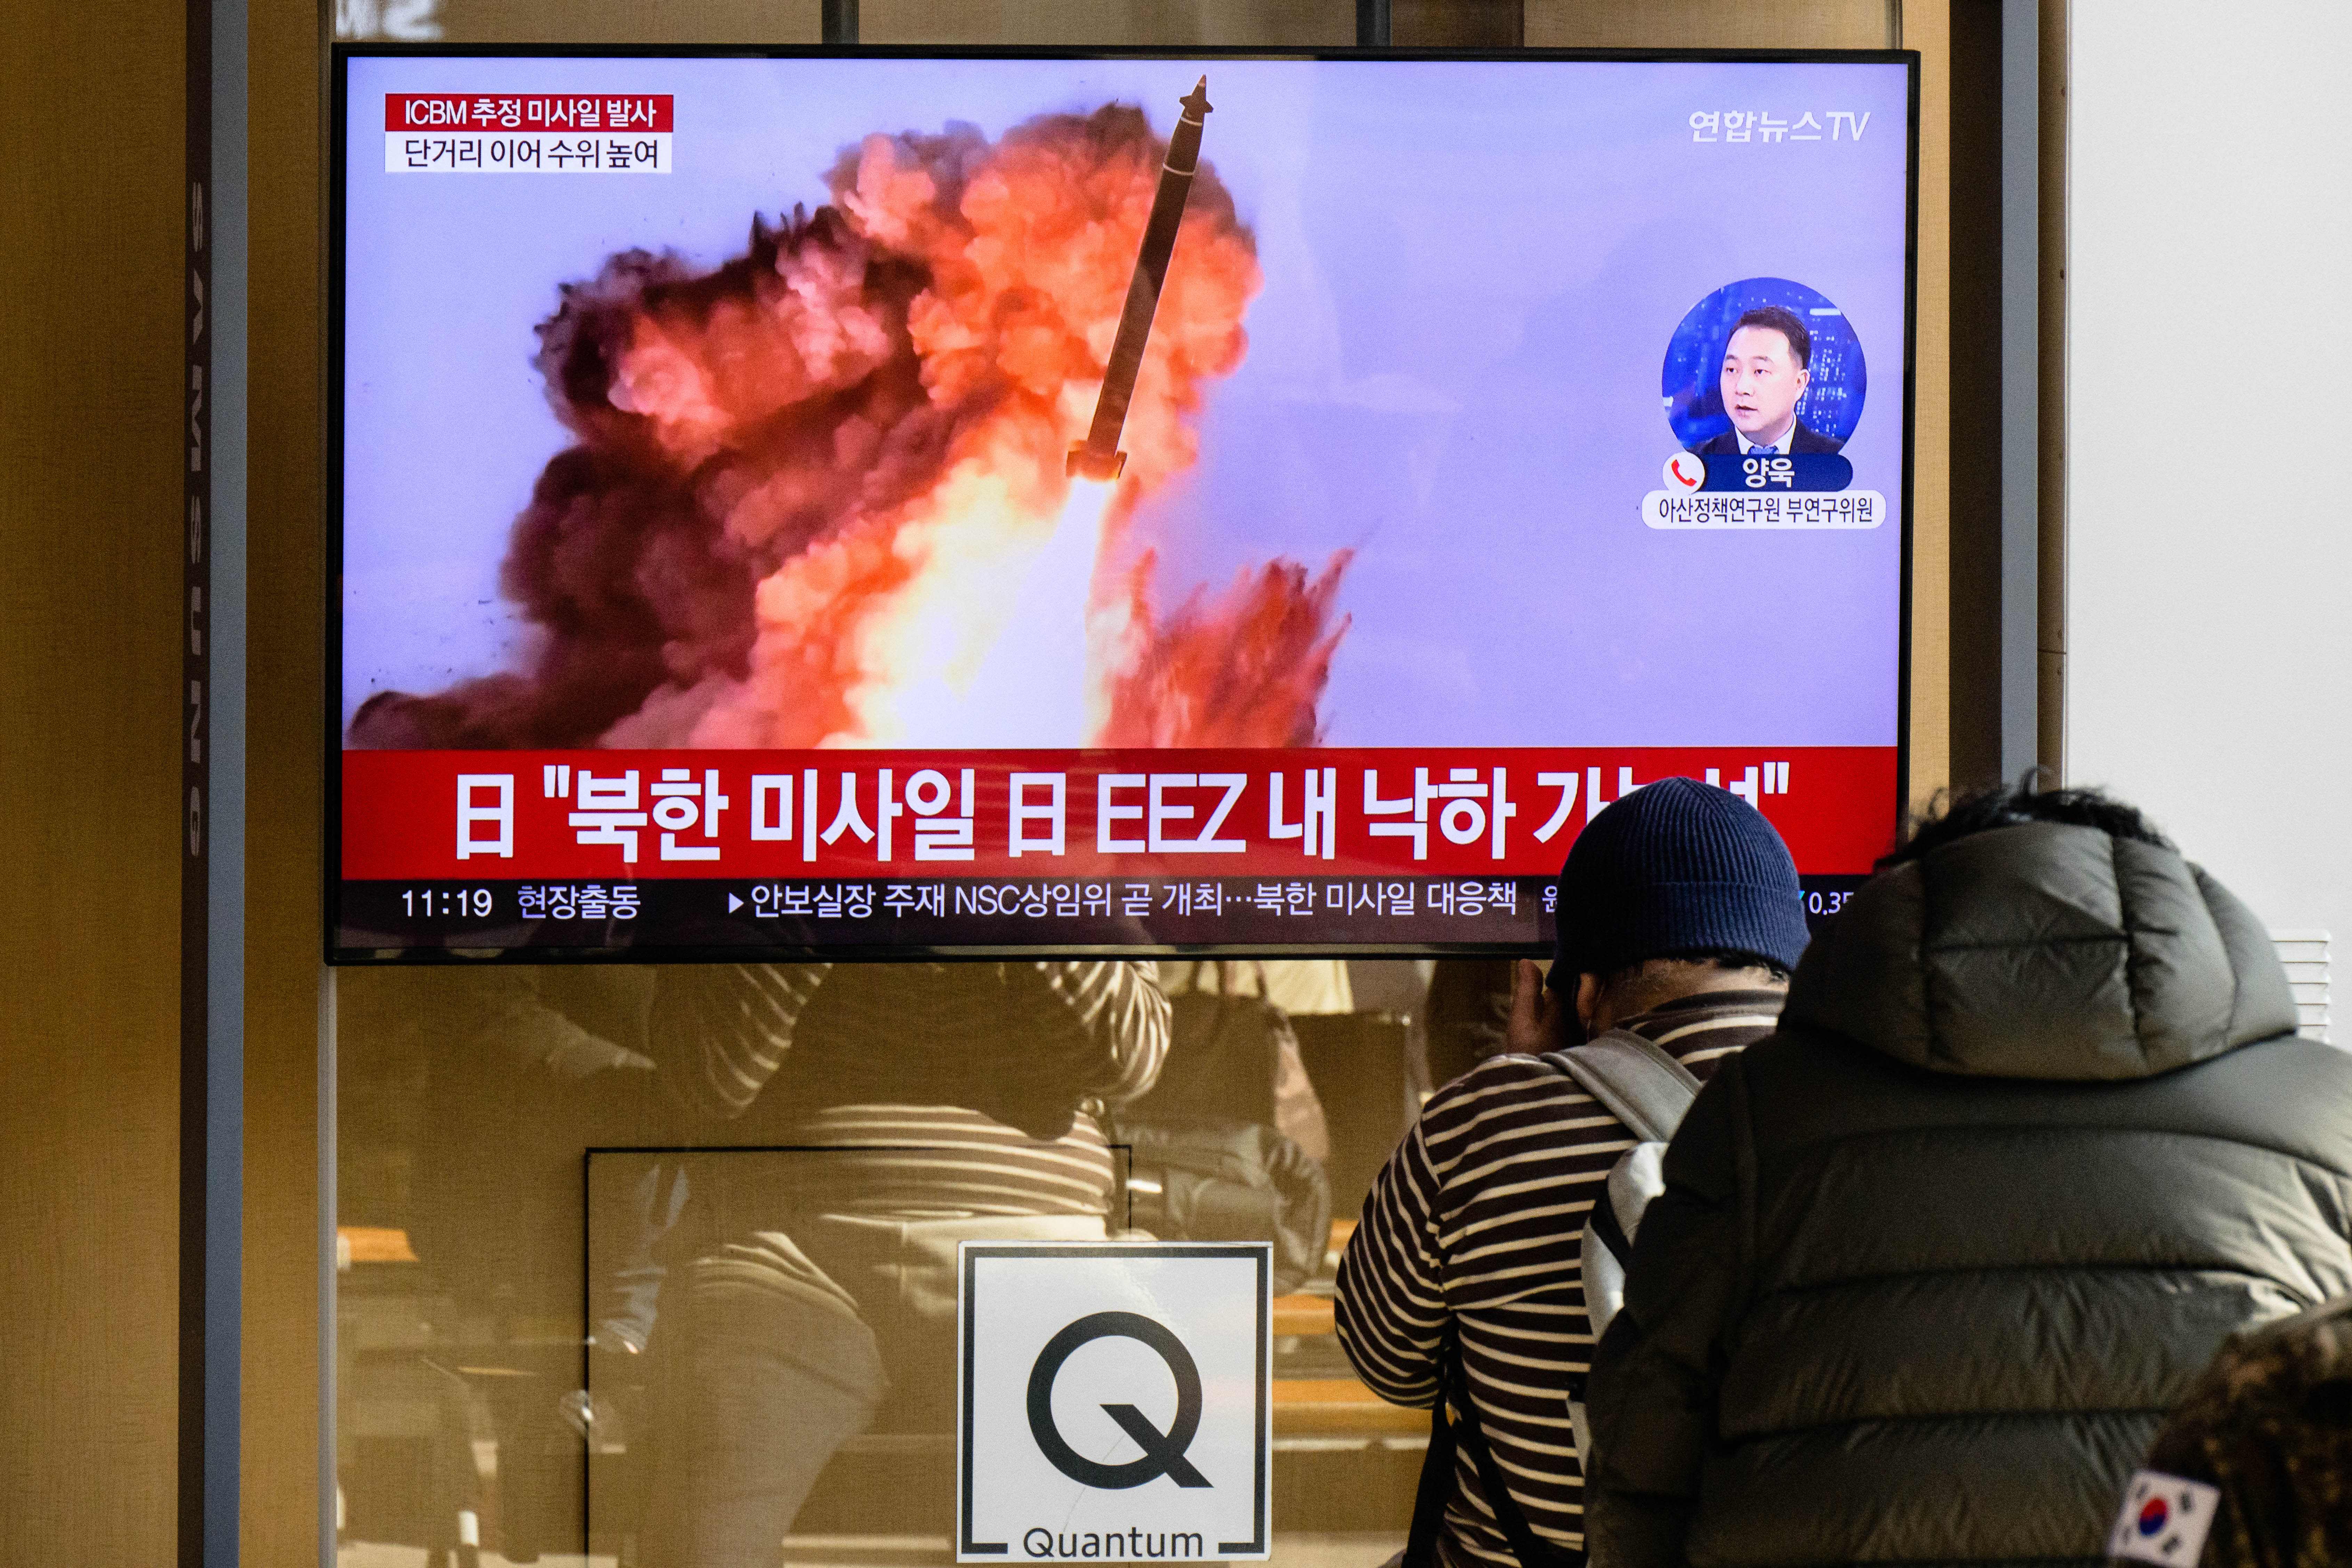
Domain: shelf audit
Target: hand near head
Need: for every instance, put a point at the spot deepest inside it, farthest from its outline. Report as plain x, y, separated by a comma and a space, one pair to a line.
1535, 1025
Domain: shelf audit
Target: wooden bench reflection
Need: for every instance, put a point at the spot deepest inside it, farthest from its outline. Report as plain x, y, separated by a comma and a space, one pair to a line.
1303, 1407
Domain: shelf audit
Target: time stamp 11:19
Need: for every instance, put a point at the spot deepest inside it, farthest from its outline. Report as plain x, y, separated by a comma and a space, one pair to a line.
424, 902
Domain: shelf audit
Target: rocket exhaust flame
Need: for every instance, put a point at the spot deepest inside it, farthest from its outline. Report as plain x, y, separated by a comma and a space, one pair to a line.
818, 495
1023, 681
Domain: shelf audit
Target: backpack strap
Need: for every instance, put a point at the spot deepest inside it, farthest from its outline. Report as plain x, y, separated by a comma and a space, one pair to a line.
1637, 1080
1436, 1489
1437, 1479
1640, 1083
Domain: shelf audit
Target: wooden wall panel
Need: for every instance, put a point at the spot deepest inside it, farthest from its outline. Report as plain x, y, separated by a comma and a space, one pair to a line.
1296, 24
91, 209
2049, 709
1463, 24
278, 1516
1975, 558
630, 21
1927, 28
1713, 24
1458, 24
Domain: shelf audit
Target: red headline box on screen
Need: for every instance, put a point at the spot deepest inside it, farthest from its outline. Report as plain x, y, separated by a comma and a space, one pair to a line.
700, 814
564, 111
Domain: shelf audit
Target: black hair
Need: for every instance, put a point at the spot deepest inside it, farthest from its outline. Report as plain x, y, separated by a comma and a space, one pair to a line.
1952, 817
1783, 321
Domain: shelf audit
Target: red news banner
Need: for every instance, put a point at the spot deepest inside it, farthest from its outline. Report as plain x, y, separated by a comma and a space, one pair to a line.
721, 815
558, 112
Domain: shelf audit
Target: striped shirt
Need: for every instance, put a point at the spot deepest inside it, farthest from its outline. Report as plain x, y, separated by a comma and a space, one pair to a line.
942, 1161
1478, 1218
971, 1087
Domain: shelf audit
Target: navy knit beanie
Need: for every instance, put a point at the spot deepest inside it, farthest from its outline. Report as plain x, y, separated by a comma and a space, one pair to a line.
1677, 866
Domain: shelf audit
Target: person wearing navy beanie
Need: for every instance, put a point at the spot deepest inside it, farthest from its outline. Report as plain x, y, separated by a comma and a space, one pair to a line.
1680, 918
1678, 886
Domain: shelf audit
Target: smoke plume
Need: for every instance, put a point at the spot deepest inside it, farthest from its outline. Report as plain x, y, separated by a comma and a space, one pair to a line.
817, 493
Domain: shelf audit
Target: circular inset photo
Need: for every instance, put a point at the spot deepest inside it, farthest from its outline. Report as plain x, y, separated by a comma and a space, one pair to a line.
1764, 363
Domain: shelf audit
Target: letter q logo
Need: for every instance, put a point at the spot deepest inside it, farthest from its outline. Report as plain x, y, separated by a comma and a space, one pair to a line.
1163, 1452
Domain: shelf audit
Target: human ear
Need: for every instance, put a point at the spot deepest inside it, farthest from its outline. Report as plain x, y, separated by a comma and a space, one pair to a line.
1588, 1004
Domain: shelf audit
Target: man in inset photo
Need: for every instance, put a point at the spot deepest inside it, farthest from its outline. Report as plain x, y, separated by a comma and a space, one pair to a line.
1767, 365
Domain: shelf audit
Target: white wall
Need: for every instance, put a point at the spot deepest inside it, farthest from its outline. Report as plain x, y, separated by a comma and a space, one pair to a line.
2209, 487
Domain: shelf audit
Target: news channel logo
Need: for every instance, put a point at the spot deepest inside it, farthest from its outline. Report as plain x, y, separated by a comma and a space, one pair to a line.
1691, 383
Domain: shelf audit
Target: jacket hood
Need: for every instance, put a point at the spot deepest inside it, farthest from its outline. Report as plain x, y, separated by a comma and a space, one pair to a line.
2045, 950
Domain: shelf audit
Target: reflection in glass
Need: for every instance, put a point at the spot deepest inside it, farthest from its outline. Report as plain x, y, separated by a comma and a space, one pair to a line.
657, 1267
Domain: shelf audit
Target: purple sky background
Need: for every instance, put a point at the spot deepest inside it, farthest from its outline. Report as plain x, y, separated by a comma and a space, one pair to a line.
1472, 273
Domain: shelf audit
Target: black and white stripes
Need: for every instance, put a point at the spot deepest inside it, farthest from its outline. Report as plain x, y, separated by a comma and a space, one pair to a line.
1479, 1218
971, 1085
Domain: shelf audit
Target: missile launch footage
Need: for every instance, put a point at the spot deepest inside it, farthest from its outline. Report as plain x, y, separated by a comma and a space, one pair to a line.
904, 487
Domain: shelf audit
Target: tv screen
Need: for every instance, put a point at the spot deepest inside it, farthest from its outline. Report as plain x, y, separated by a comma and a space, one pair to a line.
890, 503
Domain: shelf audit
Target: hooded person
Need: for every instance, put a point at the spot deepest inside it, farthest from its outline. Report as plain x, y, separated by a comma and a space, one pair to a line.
2034, 1136
1679, 917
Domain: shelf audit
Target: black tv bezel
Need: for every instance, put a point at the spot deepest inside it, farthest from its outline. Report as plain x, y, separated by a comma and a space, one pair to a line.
340, 56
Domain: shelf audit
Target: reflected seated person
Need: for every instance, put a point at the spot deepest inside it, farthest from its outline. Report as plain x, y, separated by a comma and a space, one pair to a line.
813, 1291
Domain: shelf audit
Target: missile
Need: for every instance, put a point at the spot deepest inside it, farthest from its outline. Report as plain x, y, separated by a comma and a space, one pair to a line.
1098, 456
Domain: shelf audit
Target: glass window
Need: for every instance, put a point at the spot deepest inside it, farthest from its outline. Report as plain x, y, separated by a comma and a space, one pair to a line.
658, 1266
660, 1263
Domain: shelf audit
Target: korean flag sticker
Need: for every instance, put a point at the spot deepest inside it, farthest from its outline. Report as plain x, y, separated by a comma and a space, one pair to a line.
2164, 1520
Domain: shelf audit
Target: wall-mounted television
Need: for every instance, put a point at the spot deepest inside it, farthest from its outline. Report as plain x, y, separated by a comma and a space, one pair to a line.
886, 503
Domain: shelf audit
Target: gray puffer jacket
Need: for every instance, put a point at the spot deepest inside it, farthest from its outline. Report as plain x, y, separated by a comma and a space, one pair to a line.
2034, 1135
